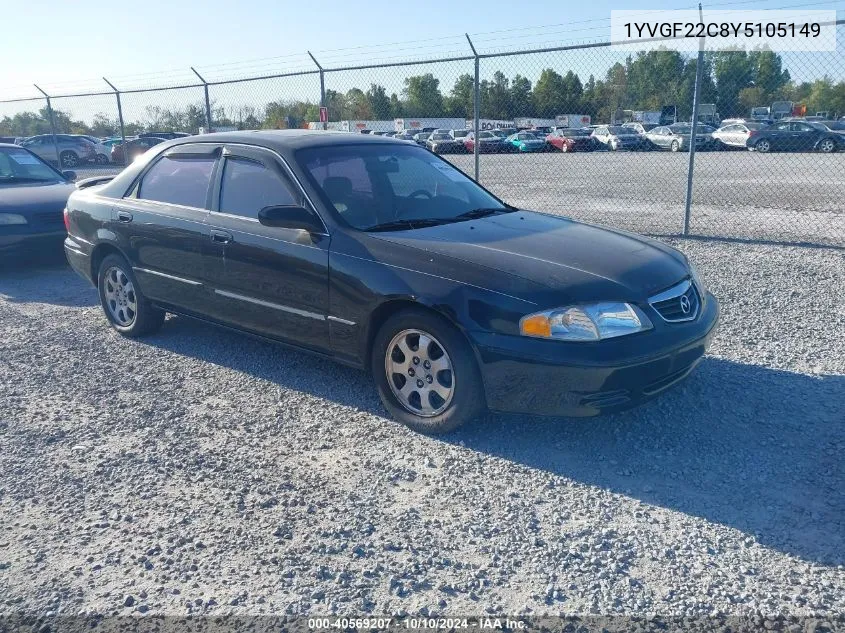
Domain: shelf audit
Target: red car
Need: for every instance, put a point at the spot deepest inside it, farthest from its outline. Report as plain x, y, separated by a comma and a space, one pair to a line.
489, 143
572, 140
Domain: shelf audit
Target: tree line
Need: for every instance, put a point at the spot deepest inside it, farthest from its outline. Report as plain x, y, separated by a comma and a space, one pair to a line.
735, 81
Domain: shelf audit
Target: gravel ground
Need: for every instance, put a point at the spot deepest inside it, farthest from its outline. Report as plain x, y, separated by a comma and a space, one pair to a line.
202, 472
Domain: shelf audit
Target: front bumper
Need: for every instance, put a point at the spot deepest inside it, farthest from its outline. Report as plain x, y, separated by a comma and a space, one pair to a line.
523, 375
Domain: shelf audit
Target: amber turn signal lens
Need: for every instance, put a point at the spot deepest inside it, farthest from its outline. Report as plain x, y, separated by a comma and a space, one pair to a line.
536, 325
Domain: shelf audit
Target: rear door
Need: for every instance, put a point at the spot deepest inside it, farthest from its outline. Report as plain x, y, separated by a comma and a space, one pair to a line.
804, 136
271, 280
162, 225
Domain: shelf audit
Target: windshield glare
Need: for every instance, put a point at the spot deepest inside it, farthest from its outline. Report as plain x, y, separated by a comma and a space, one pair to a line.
369, 185
18, 164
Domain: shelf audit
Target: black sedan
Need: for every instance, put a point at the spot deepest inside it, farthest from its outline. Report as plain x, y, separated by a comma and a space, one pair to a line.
795, 136
380, 255
32, 200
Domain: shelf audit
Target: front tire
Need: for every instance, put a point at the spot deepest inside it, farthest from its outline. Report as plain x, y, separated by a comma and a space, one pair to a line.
827, 146
127, 310
425, 372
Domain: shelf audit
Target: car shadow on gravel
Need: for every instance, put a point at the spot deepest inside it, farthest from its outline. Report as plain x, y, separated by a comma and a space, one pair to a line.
755, 449
748, 447
43, 279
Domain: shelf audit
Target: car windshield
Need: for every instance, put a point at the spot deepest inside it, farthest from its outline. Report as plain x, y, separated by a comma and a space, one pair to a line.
680, 129
621, 131
440, 137
19, 165
394, 187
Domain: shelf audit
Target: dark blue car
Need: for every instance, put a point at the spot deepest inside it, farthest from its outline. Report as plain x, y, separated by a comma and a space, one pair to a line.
32, 200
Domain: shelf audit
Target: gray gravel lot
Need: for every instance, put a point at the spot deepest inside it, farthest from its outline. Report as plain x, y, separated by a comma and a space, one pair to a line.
202, 472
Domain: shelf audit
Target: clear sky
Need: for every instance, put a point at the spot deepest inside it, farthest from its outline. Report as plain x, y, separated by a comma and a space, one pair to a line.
68, 46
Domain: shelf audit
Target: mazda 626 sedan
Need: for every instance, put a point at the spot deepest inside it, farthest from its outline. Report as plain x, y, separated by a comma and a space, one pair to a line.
380, 255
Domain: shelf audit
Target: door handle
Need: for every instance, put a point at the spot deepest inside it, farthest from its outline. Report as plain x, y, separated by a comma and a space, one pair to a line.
124, 216
221, 237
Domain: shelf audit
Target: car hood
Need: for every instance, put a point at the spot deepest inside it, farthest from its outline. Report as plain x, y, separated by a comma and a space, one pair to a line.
567, 259
26, 198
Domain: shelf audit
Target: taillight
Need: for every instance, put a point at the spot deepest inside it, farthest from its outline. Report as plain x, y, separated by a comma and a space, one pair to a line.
67, 219
752, 133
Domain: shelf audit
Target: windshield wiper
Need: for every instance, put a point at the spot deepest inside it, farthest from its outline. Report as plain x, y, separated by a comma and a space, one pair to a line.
482, 213
399, 225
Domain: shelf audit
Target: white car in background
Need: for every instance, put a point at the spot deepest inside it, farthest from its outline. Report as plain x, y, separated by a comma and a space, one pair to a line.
103, 151
735, 134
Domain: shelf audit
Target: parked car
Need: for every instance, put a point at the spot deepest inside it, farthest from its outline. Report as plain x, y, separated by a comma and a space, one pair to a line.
420, 138
526, 142
32, 197
834, 126
795, 136
72, 151
541, 130
616, 137
164, 135
407, 135
133, 149
445, 143
459, 134
639, 127
102, 152
488, 143
381, 255
572, 139
676, 137
735, 134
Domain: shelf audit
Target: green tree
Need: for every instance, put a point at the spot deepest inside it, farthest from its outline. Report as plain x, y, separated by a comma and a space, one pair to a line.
520, 97
459, 103
357, 105
495, 97
734, 71
422, 96
379, 102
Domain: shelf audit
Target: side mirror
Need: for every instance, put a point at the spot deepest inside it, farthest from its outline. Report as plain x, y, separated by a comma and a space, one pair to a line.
290, 217
70, 176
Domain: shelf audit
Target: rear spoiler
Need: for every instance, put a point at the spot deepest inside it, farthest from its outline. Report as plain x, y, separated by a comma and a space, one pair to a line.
94, 180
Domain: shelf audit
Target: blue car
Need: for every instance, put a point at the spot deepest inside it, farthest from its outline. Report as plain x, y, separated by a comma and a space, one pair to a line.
32, 200
526, 142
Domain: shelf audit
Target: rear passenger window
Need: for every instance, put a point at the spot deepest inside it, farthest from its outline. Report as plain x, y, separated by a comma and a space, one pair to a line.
248, 187
181, 181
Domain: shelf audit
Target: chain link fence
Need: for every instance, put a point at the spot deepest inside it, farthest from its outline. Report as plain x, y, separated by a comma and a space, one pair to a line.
585, 131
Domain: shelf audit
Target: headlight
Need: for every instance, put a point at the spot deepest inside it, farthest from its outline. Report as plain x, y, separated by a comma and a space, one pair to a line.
7, 219
592, 322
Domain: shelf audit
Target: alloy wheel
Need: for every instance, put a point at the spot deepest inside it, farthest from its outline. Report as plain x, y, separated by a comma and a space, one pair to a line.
419, 373
121, 300
69, 159
827, 146
763, 146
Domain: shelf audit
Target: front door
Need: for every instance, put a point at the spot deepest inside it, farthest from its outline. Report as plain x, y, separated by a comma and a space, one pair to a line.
271, 280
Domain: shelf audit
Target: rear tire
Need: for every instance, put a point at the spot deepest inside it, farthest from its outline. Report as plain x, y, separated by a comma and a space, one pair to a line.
68, 159
763, 146
127, 310
432, 387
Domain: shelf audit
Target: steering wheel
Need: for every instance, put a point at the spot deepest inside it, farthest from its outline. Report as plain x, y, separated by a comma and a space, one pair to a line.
420, 192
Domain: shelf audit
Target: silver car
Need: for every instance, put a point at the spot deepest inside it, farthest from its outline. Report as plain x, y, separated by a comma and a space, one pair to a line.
736, 134
676, 137
67, 150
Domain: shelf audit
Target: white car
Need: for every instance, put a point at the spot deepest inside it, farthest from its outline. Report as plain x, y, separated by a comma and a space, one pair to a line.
735, 134
103, 151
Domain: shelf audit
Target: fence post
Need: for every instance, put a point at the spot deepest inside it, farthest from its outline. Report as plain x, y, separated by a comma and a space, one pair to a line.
699, 67
52, 126
119, 118
322, 88
207, 101
476, 109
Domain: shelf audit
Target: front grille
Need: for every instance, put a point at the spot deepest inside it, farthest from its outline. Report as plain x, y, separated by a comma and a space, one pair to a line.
679, 303
53, 217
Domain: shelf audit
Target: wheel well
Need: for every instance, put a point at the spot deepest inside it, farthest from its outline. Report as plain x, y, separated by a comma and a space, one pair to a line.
98, 255
386, 310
